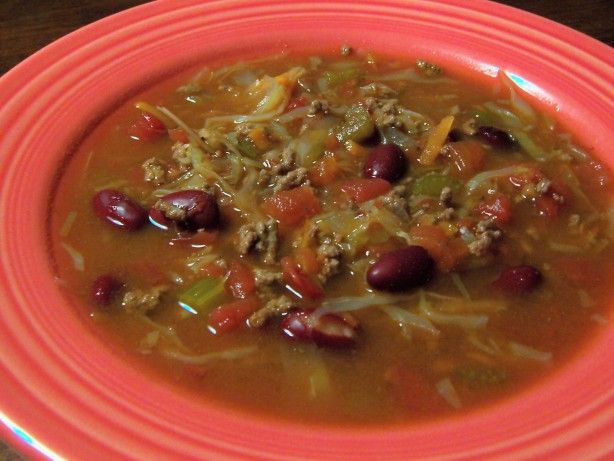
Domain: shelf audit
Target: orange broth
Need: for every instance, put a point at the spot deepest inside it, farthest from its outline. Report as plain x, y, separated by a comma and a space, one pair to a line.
478, 341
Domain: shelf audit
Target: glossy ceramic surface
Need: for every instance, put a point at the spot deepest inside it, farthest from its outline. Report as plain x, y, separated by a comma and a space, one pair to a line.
64, 393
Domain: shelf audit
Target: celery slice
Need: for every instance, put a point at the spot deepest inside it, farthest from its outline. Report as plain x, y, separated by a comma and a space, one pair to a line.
202, 296
431, 184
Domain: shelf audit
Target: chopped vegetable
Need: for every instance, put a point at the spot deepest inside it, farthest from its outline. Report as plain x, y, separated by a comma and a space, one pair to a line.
432, 184
435, 140
292, 207
357, 125
203, 295
362, 190
230, 316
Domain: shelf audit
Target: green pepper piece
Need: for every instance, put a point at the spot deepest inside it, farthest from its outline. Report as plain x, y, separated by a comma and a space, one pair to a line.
203, 295
357, 125
311, 147
247, 147
431, 184
337, 77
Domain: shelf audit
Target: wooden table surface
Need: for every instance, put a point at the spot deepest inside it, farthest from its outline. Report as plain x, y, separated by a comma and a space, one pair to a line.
28, 25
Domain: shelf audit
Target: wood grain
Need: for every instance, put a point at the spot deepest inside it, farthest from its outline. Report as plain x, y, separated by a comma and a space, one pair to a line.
28, 25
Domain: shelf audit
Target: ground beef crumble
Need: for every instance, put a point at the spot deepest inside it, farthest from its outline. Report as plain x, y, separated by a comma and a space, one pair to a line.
292, 179
181, 156
276, 307
486, 234
266, 278
396, 201
318, 106
170, 211
329, 256
261, 236
155, 171
142, 301
385, 112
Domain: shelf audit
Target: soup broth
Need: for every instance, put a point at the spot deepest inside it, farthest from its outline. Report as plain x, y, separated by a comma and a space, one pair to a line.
336, 239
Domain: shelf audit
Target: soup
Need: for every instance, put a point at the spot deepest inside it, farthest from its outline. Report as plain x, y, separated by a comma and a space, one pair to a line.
344, 239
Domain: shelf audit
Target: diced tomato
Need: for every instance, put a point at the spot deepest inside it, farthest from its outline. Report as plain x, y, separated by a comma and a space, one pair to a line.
308, 261
147, 128
324, 172
232, 315
177, 134
364, 189
447, 251
497, 207
241, 281
530, 175
331, 142
295, 103
300, 281
547, 207
561, 190
467, 157
291, 207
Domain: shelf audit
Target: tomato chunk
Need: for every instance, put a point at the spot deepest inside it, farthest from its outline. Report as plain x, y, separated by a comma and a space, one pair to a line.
241, 281
497, 207
308, 261
291, 207
231, 316
467, 158
177, 134
324, 172
147, 128
300, 281
364, 189
447, 251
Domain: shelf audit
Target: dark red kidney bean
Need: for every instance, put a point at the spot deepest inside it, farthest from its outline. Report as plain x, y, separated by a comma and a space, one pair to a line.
329, 330
401, 269
496, 137
334, 331
157, 218
297, 325
455, 135
119, 210
385, 161
519, 280
200, 209
104, 289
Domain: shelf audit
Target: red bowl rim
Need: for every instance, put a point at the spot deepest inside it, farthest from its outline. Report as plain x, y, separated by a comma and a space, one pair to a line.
81, 400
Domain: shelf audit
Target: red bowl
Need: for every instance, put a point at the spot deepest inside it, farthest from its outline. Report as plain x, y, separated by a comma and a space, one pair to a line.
64, 393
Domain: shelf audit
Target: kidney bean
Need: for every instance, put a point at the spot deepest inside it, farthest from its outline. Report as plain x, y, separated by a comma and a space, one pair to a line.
157, 218
401, 269
329, 330
104, 288
191, 209
297, 325
519, 279
385, 161
119, 210
496, 137
334, 331
455, 135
